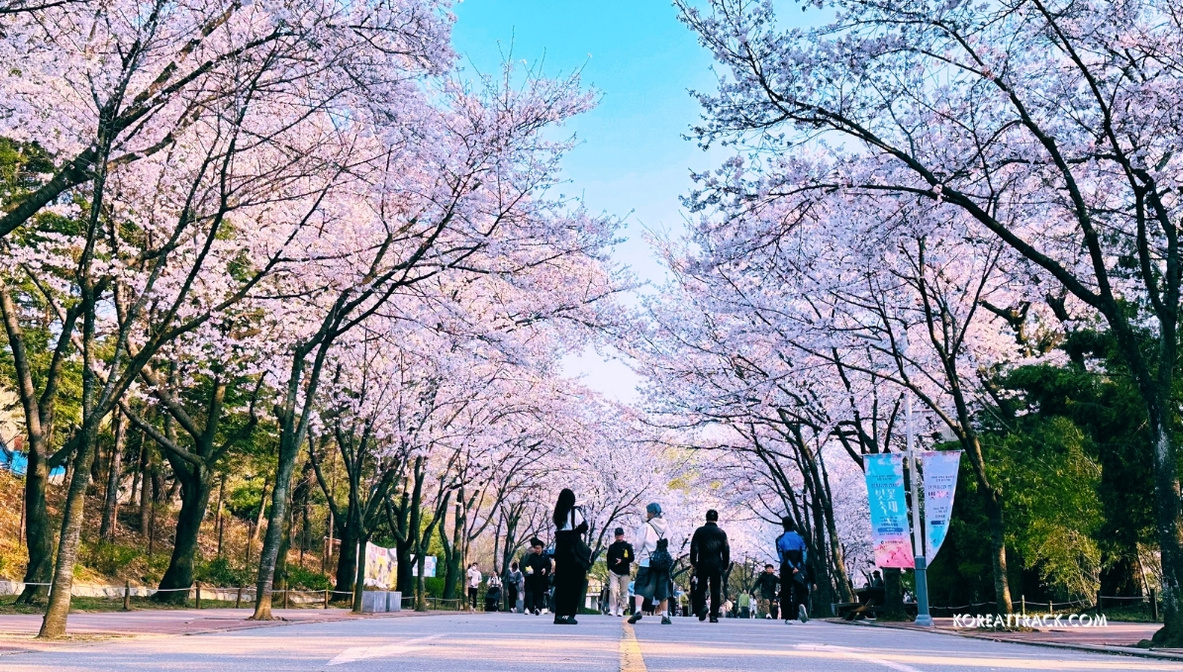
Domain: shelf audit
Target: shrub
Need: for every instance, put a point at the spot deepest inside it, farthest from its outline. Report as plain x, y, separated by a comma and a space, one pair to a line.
221, 573
107, 558
300, 578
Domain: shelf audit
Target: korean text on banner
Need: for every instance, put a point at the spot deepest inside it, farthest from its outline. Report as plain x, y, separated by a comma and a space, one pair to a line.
940, 484
380, 567
889, 510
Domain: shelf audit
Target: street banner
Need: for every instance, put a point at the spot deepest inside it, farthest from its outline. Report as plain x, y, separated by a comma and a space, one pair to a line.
940, 484
889, 510
428, 566
380, 567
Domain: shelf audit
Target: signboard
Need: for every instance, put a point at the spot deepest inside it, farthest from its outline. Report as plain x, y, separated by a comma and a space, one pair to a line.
889, 510
380, 567
940, 484
428, 566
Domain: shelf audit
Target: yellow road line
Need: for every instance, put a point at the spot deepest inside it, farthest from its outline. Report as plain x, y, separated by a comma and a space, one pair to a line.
630, 651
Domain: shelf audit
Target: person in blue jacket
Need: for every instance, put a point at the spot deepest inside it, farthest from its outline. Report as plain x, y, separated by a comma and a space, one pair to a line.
794, 579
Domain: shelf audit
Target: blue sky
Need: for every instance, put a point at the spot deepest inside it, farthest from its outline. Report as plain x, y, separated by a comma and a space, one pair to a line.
631, 161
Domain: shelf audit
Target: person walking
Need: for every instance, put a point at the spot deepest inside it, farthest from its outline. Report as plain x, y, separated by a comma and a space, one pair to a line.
474, 584
654, 564
767, 585
620, 560
537, 577
790, 547
570, 570
710, 554
513, 588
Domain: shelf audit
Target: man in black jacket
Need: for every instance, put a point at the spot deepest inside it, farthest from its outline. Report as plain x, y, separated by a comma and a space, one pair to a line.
767, 585
709, 555
620, 558
537, 569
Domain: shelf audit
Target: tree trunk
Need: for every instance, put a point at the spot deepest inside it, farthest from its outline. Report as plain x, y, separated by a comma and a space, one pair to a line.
893, 595
1167, 524
178, 578
38, 532
288, 450
53, 626
998, 551
111, 501
346, 561
405, 580
145, 487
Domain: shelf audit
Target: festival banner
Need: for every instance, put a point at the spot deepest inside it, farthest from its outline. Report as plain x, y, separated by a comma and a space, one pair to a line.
380, 567
940, 484
889, 510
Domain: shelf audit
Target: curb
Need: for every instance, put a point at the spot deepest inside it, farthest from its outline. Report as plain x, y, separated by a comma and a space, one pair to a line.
1090, 648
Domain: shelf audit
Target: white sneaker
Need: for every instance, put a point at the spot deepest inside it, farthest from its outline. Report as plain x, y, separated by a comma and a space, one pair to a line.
802, 614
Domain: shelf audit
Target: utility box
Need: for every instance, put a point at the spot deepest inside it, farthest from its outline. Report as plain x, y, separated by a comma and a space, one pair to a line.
394, 601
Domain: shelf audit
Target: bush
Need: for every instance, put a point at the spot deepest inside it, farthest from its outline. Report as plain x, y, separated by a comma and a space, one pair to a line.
107, 558
220, 573
434, 585
300, 578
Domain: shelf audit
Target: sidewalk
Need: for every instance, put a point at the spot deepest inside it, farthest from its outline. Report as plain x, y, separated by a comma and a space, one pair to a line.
1119, 637
18, 631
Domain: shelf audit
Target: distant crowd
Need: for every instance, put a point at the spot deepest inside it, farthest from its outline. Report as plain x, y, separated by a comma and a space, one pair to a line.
554, 580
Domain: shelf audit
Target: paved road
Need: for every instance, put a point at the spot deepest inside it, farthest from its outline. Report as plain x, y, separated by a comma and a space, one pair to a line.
497, 642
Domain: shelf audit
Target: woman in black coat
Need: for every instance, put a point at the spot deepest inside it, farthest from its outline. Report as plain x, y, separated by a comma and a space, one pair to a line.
570, 575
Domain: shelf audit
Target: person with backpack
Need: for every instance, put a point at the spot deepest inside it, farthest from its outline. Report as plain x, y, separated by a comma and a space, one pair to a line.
572, 557
710, 554
794, 557
654, 564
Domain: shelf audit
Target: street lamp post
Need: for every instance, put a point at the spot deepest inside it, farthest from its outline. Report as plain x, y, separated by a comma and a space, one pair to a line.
920, 554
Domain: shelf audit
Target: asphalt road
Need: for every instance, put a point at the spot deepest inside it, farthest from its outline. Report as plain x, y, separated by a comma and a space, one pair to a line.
495, 642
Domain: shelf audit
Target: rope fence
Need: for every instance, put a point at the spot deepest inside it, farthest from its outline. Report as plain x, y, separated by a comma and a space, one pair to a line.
285, 597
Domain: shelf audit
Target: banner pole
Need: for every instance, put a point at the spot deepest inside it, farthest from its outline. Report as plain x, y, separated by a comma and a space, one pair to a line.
921, 560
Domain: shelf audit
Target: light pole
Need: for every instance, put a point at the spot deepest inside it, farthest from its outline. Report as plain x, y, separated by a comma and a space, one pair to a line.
919, 553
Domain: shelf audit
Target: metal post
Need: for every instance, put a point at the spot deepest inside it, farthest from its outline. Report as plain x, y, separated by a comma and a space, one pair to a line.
326, 598
1023, 605
1153, 606
238, 598
285, 593
197, 595
127, 595
921, 555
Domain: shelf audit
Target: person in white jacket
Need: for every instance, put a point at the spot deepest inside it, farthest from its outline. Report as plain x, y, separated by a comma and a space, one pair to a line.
652, 583
474, 584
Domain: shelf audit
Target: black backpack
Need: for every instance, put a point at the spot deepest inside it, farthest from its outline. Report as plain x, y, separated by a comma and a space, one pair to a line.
660, 559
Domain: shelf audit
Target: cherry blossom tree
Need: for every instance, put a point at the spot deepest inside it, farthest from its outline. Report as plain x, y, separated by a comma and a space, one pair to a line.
1041, 122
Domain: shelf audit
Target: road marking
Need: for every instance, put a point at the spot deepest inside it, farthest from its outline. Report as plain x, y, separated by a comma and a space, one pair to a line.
630, 651
857, 655
357, 653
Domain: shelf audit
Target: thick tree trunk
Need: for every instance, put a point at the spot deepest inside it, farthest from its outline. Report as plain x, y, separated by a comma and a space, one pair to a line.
111, 501
893, 595
38, 532
178, 578
346, 561
1170, 531
405, 580
53, 625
